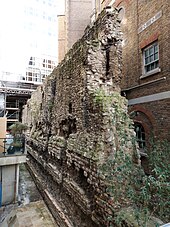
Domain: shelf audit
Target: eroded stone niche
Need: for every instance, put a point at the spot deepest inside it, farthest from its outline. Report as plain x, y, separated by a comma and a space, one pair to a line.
78, 123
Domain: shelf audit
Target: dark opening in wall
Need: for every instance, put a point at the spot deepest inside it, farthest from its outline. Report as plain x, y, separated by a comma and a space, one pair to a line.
107, 61
67, 127
53, 87
85, 112
42, 94
81, 180
70, 108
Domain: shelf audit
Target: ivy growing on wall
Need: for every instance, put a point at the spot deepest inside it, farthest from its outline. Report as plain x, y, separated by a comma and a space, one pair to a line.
127, 185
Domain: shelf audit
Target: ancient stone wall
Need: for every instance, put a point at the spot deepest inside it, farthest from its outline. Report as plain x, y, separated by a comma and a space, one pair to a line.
80, 132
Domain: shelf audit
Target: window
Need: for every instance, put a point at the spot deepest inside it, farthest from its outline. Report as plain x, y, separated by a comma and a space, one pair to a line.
151, 58
32, 61
140, 135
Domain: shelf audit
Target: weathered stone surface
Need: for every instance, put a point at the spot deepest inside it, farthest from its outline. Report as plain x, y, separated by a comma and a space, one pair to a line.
79, 126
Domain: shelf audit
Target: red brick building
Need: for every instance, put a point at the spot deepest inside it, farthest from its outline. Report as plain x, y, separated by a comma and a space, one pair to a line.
146, 66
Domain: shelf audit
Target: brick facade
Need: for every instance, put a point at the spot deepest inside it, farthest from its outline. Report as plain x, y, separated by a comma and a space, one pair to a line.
144, 23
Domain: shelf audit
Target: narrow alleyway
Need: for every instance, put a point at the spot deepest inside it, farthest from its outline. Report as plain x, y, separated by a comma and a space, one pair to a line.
27, 188
31, 210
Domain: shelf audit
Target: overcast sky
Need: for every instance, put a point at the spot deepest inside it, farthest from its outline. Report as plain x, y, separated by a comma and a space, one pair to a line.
14, 48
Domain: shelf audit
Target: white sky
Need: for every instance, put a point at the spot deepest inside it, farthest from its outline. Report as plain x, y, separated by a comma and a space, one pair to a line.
14, 48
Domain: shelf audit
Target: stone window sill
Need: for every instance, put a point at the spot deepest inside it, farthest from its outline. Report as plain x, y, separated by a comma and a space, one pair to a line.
154, 71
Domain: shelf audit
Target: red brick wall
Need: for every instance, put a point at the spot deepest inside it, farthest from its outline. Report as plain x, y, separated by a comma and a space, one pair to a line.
137, 13
155, 118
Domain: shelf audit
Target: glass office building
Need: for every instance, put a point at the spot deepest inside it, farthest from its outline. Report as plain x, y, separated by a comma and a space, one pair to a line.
40, 27
29, 37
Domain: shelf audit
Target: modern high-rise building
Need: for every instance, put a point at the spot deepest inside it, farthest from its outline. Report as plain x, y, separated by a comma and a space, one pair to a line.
30, 54
40, 28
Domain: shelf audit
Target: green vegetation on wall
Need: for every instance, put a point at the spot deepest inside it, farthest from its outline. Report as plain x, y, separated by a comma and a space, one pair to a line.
127, 184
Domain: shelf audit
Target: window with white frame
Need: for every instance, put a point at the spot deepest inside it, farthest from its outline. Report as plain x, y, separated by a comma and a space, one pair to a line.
151, 57
140, 135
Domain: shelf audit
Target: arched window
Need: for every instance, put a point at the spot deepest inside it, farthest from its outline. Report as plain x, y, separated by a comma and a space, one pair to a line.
140, 135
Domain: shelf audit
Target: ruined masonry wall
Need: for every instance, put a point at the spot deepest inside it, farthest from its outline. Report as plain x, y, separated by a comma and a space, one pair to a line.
76, 120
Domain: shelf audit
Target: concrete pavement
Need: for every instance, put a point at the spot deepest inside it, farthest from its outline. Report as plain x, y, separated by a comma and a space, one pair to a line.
35, 214
31, 212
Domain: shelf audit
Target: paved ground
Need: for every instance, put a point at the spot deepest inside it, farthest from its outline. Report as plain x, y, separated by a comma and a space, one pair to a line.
31, 210
27, 188
34, 214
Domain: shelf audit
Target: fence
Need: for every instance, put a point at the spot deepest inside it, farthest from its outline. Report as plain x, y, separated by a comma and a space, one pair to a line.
12, 145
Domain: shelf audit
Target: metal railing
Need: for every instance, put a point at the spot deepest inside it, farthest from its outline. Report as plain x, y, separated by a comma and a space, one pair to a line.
12, 145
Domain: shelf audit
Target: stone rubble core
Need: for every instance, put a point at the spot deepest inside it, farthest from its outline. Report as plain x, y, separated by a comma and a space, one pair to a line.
78, 123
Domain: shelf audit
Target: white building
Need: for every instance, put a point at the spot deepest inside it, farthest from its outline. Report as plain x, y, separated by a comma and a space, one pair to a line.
40, 28
28, 39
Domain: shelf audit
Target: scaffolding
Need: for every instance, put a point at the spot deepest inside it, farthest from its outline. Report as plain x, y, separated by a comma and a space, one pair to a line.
15, 89
13, 95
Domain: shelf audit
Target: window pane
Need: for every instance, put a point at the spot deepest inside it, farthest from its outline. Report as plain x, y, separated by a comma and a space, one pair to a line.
151, 50
156, 64
146, 60
151, 58
140, 135
156, 56
152, 66
143, 135
137, 129
156, 48
146, 53
148, 68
